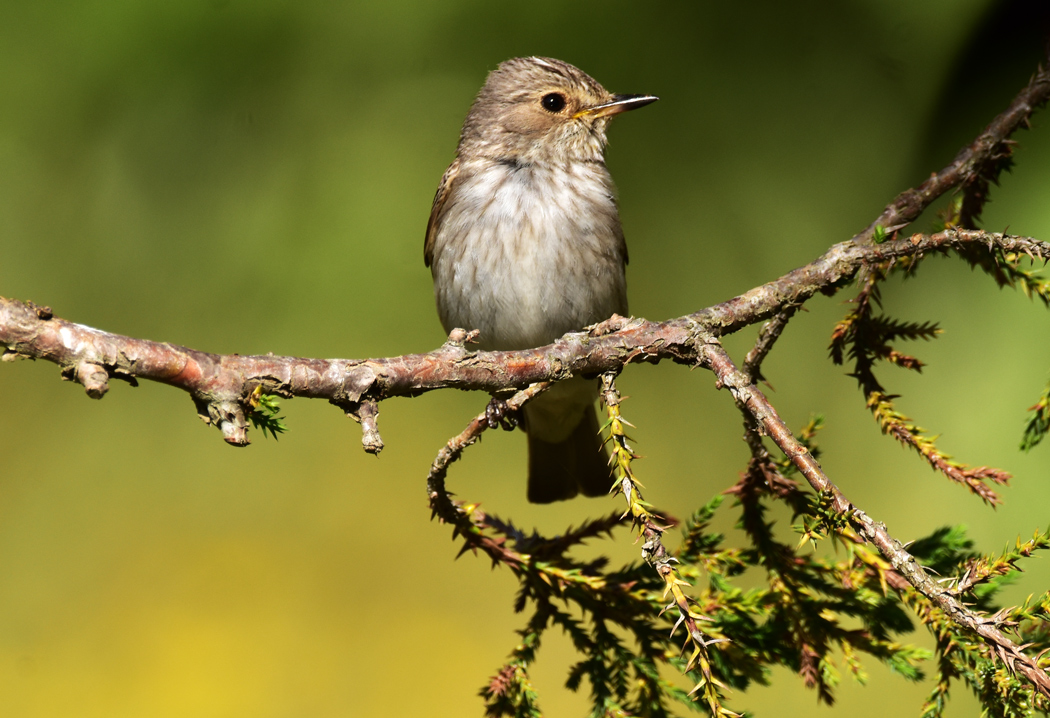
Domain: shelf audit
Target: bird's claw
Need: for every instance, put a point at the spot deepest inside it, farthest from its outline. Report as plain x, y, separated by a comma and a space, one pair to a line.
497, 413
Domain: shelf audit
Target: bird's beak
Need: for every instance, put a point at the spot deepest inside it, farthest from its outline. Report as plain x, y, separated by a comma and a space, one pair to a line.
620, 103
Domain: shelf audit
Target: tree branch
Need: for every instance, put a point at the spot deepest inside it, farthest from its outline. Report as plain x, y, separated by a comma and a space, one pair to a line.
971, 163
221, 384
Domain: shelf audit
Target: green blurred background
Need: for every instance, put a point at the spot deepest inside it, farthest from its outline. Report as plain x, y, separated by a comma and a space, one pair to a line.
256, 177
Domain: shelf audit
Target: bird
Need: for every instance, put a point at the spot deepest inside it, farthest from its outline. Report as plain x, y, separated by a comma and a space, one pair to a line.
524, 243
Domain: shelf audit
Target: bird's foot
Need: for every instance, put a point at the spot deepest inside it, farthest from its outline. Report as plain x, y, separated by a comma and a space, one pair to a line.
497, 413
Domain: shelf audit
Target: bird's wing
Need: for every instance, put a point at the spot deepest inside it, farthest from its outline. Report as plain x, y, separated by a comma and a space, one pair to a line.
443, 191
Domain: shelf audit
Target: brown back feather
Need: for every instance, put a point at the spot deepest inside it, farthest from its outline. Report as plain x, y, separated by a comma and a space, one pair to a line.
443, 191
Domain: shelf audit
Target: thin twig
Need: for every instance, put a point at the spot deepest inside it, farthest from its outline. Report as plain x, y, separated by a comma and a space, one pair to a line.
440, 501
767, 337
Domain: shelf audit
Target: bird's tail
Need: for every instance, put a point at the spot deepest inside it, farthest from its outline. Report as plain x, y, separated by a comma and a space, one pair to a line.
578, 464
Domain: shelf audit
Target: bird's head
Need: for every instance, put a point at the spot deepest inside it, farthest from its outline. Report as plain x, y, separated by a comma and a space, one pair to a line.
537, 109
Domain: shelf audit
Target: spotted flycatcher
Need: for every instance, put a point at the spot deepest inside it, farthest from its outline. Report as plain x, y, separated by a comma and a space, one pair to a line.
525, 244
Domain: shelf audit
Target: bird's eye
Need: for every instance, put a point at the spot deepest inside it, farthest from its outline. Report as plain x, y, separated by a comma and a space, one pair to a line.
553, 102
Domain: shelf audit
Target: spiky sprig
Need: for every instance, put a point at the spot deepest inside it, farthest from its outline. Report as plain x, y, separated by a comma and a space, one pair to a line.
510, 693
990, 671
866, 338
1038, 423
263, 413
980, 570
708, 686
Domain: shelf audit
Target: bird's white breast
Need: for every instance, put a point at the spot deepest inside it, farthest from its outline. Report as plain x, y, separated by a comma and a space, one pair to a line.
525, 253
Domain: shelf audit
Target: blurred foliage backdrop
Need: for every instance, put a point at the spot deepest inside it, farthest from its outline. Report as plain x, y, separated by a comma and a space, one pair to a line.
256, 177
